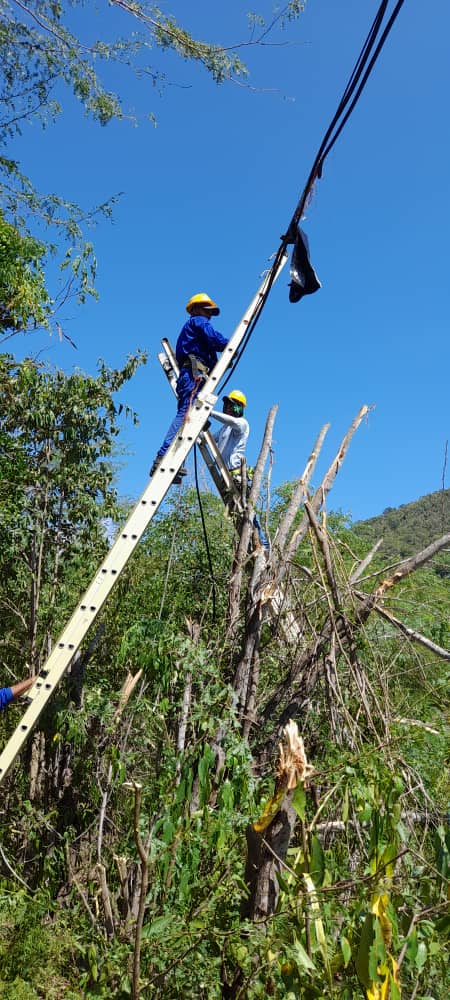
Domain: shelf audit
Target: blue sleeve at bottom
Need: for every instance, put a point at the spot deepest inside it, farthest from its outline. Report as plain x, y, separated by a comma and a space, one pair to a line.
6, 696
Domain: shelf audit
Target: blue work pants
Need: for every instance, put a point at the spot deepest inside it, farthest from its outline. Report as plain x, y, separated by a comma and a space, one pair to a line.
261, 534
256, 523
187, 389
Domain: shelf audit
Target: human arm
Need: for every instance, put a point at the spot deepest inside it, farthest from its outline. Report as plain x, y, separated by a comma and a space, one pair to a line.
225, 418
215, 339
219, 342
8, 694
22, 686
198, 337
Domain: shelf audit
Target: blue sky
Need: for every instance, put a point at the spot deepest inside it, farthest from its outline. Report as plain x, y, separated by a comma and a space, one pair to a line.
206, 195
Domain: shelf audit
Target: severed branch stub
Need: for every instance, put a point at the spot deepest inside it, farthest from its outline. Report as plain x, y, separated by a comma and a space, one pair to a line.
269, 837
292, 763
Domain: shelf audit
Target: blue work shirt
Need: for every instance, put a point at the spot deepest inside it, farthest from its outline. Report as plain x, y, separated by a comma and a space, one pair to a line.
199, 337
6, 696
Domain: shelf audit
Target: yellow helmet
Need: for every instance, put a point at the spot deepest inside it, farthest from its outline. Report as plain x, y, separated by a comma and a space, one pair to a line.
201, 299
237, 396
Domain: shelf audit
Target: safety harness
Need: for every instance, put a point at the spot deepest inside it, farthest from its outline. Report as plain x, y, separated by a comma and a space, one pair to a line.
198, 368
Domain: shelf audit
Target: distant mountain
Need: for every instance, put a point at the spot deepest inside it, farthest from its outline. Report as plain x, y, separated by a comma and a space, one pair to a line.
411, 527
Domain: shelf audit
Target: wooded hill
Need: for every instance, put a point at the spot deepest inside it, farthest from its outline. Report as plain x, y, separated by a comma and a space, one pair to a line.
240, 789
411, 526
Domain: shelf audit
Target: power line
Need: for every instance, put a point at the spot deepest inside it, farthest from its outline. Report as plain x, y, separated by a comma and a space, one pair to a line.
205, 537
359, 76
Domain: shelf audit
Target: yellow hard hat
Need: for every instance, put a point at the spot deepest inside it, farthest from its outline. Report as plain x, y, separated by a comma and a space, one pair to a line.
238, 397
201, 299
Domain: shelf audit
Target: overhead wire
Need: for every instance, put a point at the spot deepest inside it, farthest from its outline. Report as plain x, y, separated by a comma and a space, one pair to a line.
205, 537
365, 77
171, 554
359, 76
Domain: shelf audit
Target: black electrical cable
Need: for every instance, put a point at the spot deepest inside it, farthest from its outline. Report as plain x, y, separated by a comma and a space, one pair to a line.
251, 326
365, 77
205, 536
358, 78
361, 71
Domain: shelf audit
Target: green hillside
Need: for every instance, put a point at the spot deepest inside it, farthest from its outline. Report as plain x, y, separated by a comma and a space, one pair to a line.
410, 527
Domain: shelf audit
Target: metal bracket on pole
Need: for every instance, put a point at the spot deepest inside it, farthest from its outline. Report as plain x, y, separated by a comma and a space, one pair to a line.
93, 600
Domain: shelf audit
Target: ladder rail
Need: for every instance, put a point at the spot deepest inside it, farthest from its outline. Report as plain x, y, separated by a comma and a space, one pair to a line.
117, 558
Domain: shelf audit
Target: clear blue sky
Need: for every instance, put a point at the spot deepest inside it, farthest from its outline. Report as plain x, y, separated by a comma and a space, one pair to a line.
206, 196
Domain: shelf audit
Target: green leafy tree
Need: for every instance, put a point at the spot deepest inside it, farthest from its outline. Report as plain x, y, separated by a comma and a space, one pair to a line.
47, 50
24, 299
57, 436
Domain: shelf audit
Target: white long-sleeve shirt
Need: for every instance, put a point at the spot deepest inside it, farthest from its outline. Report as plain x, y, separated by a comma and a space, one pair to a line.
231, 439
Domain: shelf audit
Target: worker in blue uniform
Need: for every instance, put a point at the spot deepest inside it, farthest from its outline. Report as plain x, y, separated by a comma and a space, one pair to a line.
196, 353
10, 693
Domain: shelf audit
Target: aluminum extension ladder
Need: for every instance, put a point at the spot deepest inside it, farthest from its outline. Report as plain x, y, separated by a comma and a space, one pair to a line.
117, 558
277, 604
220, 474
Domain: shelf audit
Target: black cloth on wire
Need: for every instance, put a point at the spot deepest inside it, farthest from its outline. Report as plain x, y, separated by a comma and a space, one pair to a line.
304, 280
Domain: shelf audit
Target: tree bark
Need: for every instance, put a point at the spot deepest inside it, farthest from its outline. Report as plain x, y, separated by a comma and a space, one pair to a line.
265, 856
247, 528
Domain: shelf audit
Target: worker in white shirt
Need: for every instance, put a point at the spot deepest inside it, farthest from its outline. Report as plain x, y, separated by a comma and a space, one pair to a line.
231, 440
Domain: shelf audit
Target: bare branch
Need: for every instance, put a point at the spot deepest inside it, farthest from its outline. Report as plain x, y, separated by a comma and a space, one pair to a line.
106, 900
323, 542
410, 565
358, 572
299, 492
247, 525
410, 633
319, 497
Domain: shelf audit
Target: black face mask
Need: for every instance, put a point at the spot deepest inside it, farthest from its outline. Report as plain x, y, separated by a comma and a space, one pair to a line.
236, 408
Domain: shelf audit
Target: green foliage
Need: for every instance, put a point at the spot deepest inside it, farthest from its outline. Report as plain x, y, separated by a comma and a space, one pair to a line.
344, 907
409, 528
38, 47
41, 54
34, 959
365, 877
194, 847
23, 295
57, 436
